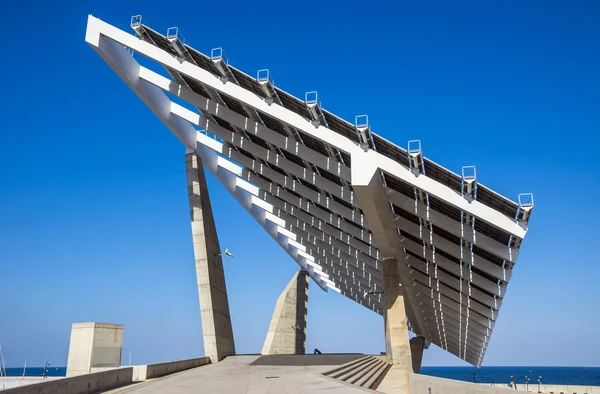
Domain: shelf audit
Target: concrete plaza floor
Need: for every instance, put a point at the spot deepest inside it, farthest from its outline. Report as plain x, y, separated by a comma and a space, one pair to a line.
241, 374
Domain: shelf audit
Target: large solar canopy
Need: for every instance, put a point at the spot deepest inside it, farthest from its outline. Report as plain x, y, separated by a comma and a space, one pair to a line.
337, 197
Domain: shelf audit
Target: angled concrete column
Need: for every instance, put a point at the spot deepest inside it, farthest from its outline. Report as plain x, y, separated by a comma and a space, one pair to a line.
287, 331
417, 344
214, 306
397, 344
396, 330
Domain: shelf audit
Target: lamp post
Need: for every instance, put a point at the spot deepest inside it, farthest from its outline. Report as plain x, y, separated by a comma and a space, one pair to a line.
539, 383
45, 374
514, 381
527, 382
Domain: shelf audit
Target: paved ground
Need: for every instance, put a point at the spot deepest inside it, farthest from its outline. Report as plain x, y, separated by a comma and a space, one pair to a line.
238, 375
308, 359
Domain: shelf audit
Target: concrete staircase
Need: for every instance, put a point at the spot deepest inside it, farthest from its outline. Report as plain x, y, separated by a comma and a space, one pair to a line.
364, 372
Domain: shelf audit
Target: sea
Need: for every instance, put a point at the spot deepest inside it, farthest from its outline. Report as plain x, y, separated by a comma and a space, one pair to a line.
582, 376
37, 371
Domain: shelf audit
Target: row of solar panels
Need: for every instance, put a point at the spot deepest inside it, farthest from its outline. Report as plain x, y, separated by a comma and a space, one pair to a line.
351, 278
454, 181
357, 279
210, 67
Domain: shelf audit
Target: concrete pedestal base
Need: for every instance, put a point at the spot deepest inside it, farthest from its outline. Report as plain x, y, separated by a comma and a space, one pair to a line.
287, 331
93, 346
214, 305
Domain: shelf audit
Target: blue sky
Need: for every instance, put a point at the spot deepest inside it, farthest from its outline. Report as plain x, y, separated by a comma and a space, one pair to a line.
94, 220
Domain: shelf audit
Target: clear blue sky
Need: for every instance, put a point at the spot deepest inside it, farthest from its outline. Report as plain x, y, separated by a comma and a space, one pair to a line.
94, 220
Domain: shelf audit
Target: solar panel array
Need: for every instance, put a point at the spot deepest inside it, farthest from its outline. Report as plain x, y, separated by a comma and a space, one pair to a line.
459, 264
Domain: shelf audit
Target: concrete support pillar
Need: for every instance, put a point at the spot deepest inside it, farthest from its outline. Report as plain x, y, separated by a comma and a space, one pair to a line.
417, 344
287, 331
214, 306
397, 344
396, 330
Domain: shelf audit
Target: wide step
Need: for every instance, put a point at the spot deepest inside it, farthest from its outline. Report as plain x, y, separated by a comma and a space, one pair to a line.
363, 372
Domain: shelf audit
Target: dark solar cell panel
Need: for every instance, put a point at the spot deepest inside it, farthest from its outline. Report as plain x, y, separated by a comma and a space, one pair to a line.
274, 168
329, 176
406, 215
258, 141
309, 185
339, 126
411, 237
487, 276
419, 282
443, 233
233, 105
445, 208
447, 255
390, 150
293, 104
247, 82
245, 153
358, 226
419, 268
488, 197
399, 185
313, 143
442, 175
346, 158
203, 61
416, 256
361, 241
294, 159
453, 275
264, 178
195, 86
492, 232
272, 123
484, 291
487, 255
343, 202
291, 192
322, 207
160, 41
223, 123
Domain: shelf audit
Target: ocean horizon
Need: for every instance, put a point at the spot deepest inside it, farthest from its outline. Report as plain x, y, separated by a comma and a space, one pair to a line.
581, 376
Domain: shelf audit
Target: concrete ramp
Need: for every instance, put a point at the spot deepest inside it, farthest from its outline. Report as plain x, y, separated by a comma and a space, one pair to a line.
239, 375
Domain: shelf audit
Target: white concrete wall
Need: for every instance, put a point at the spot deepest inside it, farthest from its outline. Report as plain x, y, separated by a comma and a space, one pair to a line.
83, 384
80, 349
8, 382
143, 372
108, 342
94, 345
